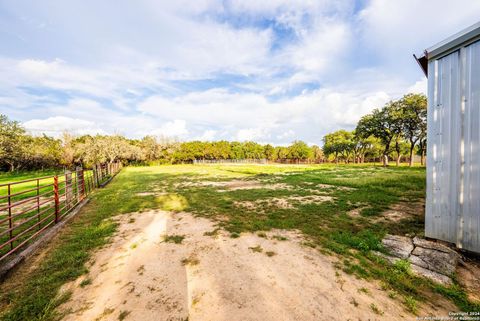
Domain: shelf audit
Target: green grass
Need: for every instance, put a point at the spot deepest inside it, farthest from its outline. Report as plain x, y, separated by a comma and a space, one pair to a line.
327, 225
7, 177
177, 239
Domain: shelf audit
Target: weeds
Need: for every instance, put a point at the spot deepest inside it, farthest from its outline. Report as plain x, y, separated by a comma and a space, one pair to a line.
85, 282
190, 261
177, 239
354, 302
212, 233
411, 304
257, 249
376, 309
363, 290
123, 315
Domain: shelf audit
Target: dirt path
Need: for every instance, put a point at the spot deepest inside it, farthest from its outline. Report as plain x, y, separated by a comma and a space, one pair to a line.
141, 277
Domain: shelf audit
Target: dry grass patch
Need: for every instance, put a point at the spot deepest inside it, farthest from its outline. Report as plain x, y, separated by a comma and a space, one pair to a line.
235, 185
191, 260
288, 202
400, 211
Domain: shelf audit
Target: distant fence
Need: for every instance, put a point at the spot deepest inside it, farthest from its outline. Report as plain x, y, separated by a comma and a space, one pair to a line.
254, 161
29, 207
230, 161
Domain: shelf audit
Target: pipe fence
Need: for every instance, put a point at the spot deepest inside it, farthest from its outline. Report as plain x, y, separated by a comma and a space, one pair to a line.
29, 207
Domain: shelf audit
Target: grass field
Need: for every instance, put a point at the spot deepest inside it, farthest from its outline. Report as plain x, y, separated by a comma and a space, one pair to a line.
339, 208
7, 177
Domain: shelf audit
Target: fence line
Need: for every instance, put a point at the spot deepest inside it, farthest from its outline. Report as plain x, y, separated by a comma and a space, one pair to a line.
255, 161
230, 161
29, 207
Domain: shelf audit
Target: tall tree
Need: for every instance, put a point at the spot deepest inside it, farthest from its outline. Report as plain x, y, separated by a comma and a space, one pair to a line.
339, 143
299, 151
269, 152
414, 119
317, 154
381, 124
12, 142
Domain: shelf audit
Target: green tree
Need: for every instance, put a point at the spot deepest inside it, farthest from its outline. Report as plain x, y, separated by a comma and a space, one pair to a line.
339, 143
317, 154
237, 151
281, 152
422, 148
299, 151
269, 152
413, 113
12, 143
42, 152
253, 150
381, 123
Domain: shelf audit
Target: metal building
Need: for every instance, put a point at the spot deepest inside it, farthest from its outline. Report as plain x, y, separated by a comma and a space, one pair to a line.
453, 139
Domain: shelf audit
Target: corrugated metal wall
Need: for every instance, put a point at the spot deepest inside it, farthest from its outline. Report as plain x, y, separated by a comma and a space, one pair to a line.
470, 226
453, 198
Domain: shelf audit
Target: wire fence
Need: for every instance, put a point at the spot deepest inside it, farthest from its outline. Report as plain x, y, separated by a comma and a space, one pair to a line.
230, 161
256, 161
29, 207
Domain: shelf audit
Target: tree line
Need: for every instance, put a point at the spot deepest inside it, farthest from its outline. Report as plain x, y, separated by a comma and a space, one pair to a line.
21, 151
398, 129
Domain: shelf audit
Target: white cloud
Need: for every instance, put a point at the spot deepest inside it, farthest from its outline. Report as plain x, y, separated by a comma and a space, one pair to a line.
258, 134
289, 134
319, 47
176, 128
207, 135
55, 126
399, 28
40, 68
420, 87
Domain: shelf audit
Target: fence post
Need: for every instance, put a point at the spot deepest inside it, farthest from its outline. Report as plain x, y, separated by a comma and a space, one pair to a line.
81, 175
38, 202
10, 223
68, 189
57, 199
95, 175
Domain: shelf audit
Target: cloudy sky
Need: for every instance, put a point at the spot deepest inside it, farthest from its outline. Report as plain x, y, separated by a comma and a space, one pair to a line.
270, 70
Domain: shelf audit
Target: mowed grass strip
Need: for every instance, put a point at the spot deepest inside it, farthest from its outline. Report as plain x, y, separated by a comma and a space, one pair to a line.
327, 224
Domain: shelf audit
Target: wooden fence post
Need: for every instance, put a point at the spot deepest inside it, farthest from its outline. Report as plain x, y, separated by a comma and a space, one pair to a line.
57, 199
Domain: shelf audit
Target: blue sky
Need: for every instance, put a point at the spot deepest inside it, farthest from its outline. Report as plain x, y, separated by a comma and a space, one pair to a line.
269, 71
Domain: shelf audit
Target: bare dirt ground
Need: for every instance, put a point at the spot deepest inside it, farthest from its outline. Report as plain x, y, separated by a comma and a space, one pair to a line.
211, 276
